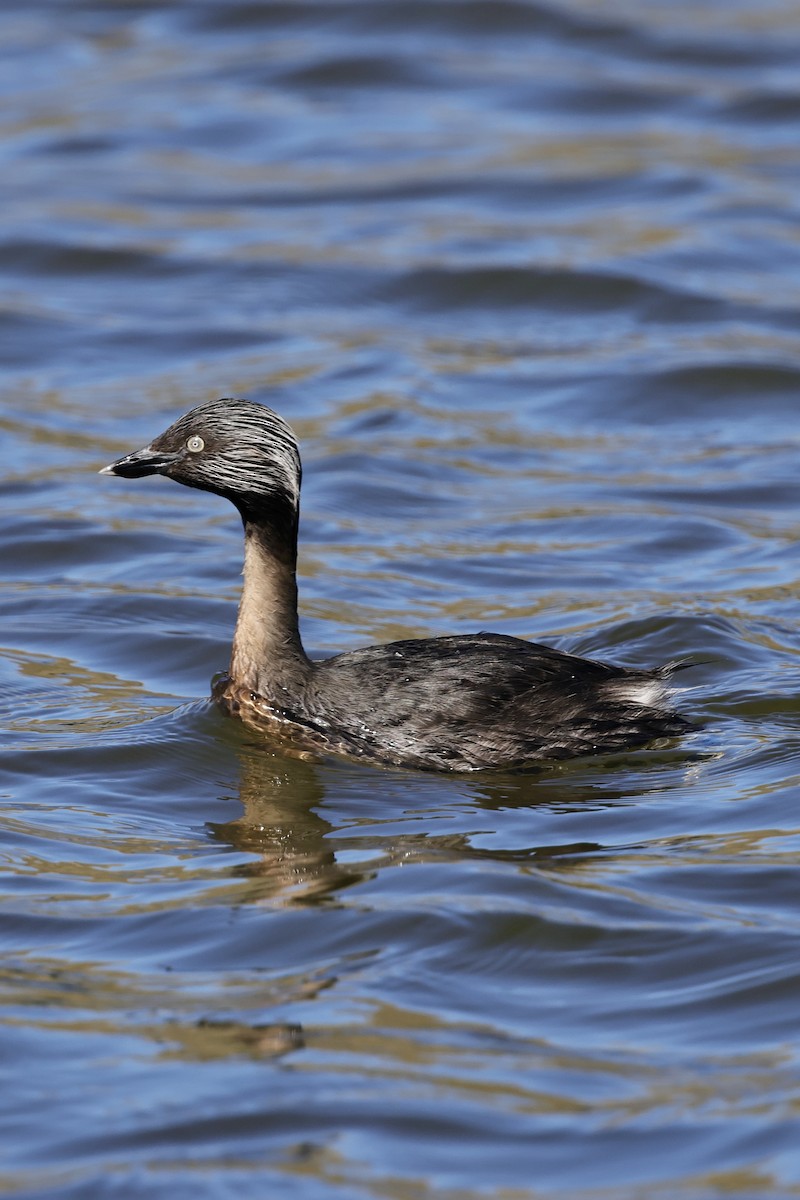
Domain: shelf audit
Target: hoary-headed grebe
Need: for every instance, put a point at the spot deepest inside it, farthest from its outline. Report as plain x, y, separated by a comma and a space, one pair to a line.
462, 703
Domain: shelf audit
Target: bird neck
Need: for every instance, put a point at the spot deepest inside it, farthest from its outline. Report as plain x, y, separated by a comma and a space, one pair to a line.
268, 656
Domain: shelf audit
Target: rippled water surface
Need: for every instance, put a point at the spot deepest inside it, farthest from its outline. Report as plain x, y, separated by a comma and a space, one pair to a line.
526, 280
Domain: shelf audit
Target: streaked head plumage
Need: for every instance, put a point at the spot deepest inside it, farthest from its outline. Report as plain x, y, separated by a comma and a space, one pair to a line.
236, 448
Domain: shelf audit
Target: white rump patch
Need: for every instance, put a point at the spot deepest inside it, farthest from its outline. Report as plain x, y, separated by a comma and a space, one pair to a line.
647, 693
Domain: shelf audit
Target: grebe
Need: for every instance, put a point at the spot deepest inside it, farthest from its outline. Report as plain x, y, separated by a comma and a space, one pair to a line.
462, 703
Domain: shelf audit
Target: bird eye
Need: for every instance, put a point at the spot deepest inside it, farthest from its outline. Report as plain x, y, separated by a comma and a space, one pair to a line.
195, 444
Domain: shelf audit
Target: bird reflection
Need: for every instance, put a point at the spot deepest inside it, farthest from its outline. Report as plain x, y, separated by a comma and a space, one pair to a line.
380, 819
293, 849
280, 825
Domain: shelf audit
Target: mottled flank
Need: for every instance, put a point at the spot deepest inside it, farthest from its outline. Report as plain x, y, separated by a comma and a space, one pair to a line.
485, 699
459, 703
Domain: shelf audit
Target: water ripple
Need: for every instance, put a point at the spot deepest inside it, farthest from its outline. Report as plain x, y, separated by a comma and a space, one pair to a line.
524, 278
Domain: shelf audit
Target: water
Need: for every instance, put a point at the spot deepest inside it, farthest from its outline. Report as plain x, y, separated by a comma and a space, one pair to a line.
526, 280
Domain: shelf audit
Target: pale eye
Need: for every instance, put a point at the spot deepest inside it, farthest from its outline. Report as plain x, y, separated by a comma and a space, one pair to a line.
195, 444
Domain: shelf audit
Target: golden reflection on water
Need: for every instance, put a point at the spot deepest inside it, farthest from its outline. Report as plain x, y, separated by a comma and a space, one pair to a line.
532, 314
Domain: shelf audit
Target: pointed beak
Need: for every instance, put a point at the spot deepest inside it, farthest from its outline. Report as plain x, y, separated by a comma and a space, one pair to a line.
142, 462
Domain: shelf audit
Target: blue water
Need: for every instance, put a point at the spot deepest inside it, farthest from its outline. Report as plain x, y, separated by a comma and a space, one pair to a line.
525, 279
